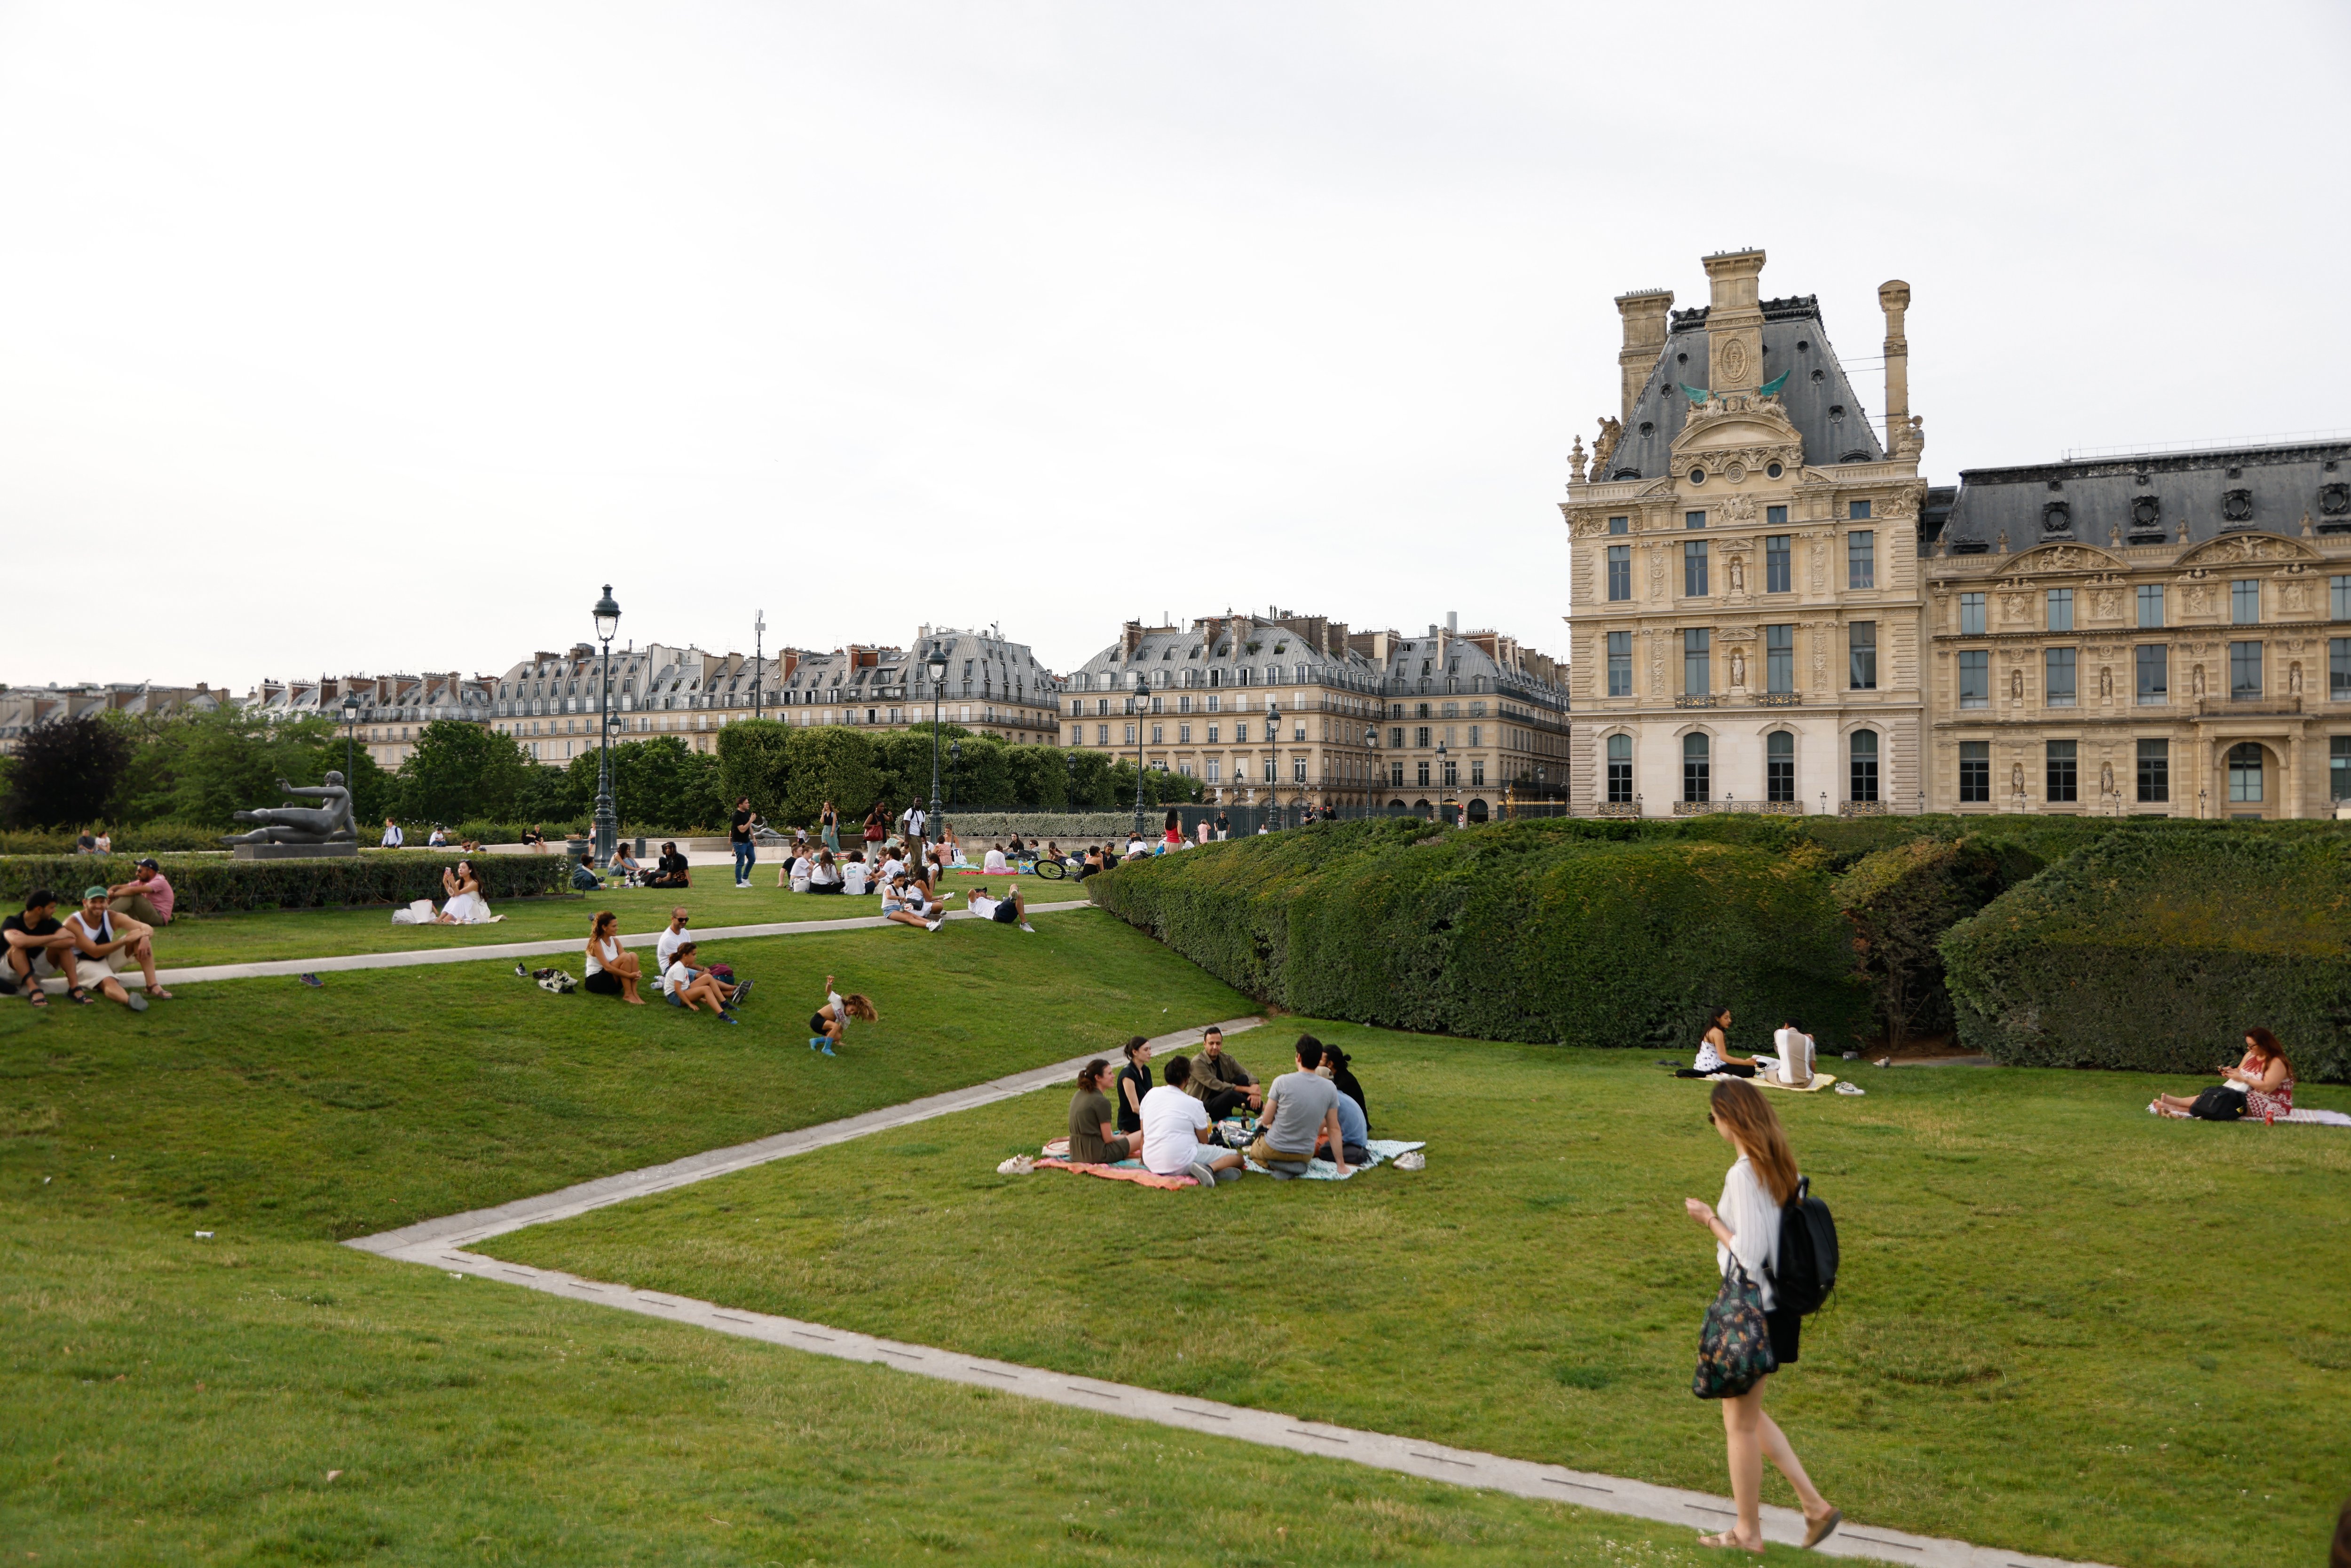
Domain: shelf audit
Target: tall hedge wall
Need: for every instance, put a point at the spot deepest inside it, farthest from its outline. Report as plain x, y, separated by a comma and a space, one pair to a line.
1580, 933
202, 885
2156, 950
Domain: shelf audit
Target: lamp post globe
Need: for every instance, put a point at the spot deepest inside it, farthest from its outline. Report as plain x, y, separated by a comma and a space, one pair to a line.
936, 665
607, 614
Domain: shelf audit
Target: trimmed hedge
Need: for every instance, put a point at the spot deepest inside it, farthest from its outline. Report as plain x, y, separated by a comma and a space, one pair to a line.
1570, 931
2155, 951
204, 884
151, 839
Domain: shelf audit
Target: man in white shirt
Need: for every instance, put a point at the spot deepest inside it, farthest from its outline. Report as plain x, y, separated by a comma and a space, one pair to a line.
852, 877
1011, 910
672, 939
393, 837
1175, 1133
916, 820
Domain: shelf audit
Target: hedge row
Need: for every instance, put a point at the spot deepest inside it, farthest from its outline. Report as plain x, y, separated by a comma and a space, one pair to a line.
148, 838
202, 885
2156, 952
1567, 931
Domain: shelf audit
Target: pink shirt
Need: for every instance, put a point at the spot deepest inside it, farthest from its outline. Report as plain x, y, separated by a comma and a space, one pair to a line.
158, 891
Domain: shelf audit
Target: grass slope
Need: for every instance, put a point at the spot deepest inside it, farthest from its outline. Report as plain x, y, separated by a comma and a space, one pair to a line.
386, 1097
2064, 1326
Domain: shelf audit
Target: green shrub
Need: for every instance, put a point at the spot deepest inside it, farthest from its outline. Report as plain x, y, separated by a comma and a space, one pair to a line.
202, 885
2157, 949
1900, 902
1568, 931
148, 838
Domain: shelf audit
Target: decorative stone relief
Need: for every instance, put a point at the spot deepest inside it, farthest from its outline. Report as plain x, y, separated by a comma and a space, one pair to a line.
1575, 460
2197, 598
1737, 509
2294, 679
1656, 571
1823, 633
2195, 683
1738, 671
1820, 563
2106, 603
1604, 446
1657, 664
1731, 363
2293, 596
2106, 682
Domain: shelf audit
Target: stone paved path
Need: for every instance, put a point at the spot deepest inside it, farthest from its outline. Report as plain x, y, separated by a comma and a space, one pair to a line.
441, 1244
274, 968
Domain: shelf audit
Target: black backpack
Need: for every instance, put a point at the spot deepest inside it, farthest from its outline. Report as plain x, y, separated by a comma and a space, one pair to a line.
1808, 1253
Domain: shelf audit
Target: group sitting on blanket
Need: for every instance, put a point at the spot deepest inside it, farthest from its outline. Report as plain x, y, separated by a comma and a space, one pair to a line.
1314, 1113
1791, 1069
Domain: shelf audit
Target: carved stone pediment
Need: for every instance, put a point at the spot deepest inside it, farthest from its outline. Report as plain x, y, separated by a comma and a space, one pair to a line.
2064, 558
2234, 548
1737, 432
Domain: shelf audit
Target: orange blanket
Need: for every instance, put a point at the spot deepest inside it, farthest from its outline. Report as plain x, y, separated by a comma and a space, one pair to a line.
1135, 1173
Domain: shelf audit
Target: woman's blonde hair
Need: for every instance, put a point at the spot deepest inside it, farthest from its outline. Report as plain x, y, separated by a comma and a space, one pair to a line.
1755, 1127
856, 1007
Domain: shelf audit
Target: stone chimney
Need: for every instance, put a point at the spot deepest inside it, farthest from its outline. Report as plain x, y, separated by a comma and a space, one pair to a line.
1130, 639
1734, 322
1643, 313
1895, 298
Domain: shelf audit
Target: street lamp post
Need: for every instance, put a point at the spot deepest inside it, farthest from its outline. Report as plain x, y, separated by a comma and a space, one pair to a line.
351, 738
759, 659
1440, 783
1142, 691
936, 662
608, 621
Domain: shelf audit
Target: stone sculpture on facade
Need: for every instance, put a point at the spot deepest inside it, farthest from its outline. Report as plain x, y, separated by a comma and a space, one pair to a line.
327, 824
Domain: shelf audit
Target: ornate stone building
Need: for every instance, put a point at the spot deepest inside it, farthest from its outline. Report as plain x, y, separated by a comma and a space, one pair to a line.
1744, 572
994, 686
2163, 634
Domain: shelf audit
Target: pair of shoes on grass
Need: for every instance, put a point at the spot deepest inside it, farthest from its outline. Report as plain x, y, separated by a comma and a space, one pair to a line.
935, 924
818, 1043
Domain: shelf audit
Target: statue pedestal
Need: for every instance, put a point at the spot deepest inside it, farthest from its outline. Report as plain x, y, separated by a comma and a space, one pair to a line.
343, 851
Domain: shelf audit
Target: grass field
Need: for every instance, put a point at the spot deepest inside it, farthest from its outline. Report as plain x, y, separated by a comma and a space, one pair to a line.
2064, 1326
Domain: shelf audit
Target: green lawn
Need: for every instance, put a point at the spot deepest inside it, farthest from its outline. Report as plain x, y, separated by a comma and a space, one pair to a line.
172, 1401
2064, 1326
252, 937
389, 1096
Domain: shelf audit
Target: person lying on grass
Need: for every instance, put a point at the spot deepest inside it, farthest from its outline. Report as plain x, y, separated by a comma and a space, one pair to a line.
1175, 1133
102, 942
1301, 1112
2261, 1086
1011, 910
690, 988
905, 904
830, 1021
612, 971
38, 945
1094, 1137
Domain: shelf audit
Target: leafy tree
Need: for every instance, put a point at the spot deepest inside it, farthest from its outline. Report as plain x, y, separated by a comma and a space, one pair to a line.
1159, 788
66, 772
550, 794
1094, 782
461, 771
751, 762
829, 762
204, 768
659, 783
1040, 776
980, 780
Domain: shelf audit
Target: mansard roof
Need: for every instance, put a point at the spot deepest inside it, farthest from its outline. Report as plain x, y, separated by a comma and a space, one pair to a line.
2145, 499
1819, 397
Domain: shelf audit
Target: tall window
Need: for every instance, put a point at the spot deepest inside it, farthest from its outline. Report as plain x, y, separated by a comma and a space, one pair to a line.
1423, 773
1975, 772
1860, 557
1862, 655
2150, 604
1620, 525
2062, 781
1775, 517
2154, 673
1975, 678
1780, 766
1693, 519
1864, 765
2061, 610
2338, 669
2341, 596
1697, 780
2245, 671
2338, 766
1778, 577
1780, 658
2154, 771
2245, 774
1620, 573
1697, 662
1971, 614
1694, 568
1859, 511
1620, 663
1620, 769
2245, 601
1419, 736
2058, 666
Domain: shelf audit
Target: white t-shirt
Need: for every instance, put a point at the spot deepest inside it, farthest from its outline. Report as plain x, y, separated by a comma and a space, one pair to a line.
1795, 1048
392, 837
853, 878
995, 864
677, 978
982, 905
1746, 1211
892, 867
666, 948
1172, 1121
915, 822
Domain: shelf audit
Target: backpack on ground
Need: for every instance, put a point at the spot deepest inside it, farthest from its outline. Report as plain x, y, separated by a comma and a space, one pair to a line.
1808, 1253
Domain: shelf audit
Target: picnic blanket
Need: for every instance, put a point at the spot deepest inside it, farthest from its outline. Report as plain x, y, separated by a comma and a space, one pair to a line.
2310, 1116
1820, 1080
1125, 1170
1379, 1149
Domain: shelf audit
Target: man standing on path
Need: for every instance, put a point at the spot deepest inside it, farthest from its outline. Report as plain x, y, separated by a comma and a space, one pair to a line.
1301, 1111
393, 837
738, 837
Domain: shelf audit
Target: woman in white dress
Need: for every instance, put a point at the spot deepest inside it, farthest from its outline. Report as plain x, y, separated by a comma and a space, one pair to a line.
466, 906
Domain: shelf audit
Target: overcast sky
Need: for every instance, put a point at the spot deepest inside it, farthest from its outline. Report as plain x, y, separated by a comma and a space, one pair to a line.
356, 337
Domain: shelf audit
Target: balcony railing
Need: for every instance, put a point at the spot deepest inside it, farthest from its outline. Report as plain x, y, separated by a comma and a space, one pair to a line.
1616, 809
1694, 702
1861, 808
1779, 699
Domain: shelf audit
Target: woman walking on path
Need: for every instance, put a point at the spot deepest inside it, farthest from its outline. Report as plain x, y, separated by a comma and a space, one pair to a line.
1746, 1226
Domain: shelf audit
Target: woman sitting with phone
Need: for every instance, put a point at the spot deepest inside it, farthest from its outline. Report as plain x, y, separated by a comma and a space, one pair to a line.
2260, 1087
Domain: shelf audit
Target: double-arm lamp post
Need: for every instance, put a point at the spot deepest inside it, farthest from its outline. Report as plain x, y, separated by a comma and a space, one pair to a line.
608, 621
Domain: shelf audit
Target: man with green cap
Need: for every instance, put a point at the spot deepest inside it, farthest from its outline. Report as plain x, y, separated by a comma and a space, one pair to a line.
101, 941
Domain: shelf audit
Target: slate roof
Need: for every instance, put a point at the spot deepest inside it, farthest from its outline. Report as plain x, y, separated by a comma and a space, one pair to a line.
1819, 397
2093, 500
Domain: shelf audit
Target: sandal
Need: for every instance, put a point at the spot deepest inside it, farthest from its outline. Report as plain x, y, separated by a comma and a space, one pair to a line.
1727, 1538
76, 994
1818, 1530
36, 996
158, 994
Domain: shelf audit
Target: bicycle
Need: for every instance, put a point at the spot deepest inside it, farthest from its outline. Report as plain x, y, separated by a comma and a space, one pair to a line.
1031, 863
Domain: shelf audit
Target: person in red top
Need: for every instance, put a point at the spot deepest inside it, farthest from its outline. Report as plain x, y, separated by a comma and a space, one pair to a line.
1174, 836
147, 896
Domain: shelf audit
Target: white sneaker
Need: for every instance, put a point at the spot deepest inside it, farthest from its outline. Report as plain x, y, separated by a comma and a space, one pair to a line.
935, 924
1026, 926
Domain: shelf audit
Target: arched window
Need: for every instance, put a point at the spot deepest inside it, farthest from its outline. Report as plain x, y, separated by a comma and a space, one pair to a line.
1864, 765
1698, 772
1620, 769
1780, 766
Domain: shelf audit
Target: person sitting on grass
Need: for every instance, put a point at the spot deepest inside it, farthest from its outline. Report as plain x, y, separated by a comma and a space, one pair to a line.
1011, 910
2258, 1088
1219, 1082
1301, 1112
625, 866
1175, 1133
36, 947
824, 876
1714, 1052
612, 971
830, 1022
1134, 1083
688, 988
437, 839
1354, 1128
905, 906
583, 874
466, 906
995, 863
534, 841
1094, 1137
853, 872
794, 872
1343, 1080
1796, 1055
102, 941
670, 870
147, 896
